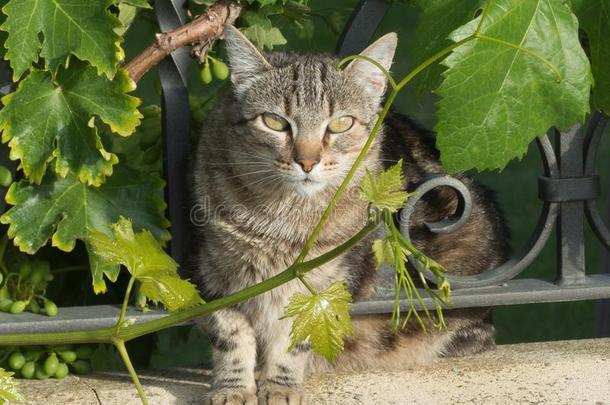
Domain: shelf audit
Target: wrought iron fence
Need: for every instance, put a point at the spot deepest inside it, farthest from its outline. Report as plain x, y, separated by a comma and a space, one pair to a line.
568, 188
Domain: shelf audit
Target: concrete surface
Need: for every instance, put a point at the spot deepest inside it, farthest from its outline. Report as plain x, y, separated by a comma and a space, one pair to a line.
568, 372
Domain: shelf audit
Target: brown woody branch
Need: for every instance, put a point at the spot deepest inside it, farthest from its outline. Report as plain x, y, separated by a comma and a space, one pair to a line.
201, 33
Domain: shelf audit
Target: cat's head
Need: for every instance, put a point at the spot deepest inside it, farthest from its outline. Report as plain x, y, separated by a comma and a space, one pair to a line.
297, 117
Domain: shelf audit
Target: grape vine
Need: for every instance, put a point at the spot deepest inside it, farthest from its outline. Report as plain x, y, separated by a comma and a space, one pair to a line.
79, 135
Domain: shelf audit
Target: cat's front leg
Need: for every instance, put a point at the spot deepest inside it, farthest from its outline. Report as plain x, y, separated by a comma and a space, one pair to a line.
282, 374
234, 351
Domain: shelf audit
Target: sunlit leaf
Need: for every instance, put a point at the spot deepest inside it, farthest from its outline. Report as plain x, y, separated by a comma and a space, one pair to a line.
9, 388
144, 258
64, 210
136, 3
386, 189
82, 28
383, 252
47, 119
497, 98
261, 31
322, 318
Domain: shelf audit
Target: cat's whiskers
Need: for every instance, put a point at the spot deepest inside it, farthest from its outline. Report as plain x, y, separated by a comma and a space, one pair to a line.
241, 153
249, 174
250, 163
275, 175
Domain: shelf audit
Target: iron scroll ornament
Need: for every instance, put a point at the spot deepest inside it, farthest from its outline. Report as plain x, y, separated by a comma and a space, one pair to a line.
519, 261
596, 128
564, 210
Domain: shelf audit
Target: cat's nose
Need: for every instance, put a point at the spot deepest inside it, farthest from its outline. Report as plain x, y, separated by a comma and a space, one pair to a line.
307, 164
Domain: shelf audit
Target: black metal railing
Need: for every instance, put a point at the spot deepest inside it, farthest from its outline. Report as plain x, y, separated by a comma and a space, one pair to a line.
568, 188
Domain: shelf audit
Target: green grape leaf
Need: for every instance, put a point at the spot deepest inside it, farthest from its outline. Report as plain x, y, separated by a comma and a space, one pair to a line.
64, 209
136, 3
594, 18
46, 119
82, 28
173, 292
100, 268
385, 190
141, 150
263, 33
322, 318
9, 388
144, 258
438, 19
497, 98
127, 13
383, 252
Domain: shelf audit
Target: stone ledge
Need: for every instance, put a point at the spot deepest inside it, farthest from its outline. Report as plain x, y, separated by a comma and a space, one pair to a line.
566, 372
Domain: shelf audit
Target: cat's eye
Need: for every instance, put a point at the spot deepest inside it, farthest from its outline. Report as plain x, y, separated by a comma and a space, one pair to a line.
340, 124
275, 122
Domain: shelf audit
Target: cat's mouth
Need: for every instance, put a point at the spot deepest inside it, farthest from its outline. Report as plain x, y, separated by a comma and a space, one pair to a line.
308, 186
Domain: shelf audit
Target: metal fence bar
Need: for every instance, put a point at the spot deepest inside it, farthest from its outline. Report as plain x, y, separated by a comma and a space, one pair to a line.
173, 72
513, 292
361, 26
570, 222
602, 315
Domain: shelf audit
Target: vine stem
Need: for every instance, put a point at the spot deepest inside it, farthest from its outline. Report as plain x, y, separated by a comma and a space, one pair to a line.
307, 285
201, 32
384, 112
119, 323
297, 269
127, 333
120, 345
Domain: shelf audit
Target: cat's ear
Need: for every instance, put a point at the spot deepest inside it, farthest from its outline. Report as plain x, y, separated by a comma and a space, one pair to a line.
245, 60
381, 51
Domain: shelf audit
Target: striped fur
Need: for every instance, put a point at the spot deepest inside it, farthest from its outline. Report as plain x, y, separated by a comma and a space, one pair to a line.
253, 210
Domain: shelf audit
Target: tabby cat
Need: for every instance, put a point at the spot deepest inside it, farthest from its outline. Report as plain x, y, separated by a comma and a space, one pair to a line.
272, 154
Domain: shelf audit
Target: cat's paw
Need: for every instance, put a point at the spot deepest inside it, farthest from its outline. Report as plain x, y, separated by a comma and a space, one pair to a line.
231, 396
274, 394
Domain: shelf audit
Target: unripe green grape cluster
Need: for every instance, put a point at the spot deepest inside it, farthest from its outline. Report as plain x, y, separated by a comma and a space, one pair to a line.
23, 288
213, 69
47, 362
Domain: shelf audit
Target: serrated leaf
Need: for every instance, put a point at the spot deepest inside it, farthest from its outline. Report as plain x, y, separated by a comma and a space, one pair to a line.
497, 98
322, 318
141, 150
100, 268
594, 19
46, 119
9, 388
173, 292
144, 258
82, 28
383, 252
264, 35
437, 20
385, 190
64, 210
